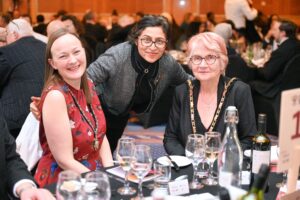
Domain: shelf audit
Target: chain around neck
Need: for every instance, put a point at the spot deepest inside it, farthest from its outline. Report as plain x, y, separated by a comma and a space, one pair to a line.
95, 129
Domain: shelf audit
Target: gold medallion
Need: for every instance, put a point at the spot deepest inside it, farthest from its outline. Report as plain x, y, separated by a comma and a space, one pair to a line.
96, 144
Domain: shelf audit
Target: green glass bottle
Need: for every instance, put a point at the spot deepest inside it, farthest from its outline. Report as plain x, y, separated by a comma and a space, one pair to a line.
261, 148
257, 190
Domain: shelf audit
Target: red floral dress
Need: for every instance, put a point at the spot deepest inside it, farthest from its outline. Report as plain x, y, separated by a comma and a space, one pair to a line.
83, 135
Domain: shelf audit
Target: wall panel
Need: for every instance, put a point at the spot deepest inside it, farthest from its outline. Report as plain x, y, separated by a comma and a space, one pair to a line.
288, 8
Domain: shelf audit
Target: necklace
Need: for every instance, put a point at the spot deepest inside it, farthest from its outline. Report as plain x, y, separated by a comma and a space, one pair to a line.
95, 144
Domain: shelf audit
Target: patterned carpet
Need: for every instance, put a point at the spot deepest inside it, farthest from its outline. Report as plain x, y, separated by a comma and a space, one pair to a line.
152, 136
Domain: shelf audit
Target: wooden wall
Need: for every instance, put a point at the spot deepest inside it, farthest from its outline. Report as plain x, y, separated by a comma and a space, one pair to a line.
286, 8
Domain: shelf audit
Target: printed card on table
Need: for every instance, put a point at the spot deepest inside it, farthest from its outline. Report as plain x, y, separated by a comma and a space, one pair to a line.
289, 128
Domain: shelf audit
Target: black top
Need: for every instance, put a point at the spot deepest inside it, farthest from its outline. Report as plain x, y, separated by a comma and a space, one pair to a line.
179, 124
145, 84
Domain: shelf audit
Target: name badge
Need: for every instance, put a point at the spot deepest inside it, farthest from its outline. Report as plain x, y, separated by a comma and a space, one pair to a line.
179, 187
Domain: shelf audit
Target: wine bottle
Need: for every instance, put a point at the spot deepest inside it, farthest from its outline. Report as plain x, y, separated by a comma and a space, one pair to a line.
257, 190
261, 148
230, 158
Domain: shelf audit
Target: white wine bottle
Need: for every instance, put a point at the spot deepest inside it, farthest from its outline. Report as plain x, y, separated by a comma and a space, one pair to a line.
261, 147
257, 190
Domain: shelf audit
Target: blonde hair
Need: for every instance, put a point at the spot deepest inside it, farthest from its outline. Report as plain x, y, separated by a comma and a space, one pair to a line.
210, 41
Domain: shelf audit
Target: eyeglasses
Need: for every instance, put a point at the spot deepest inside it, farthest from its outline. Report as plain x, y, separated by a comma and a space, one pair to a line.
209, 59
159, 43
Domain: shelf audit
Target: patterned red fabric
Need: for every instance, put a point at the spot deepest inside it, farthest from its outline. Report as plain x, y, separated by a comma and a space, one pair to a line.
82, 134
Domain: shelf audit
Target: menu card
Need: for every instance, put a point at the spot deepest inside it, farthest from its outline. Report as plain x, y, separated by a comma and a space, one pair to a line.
289, 136
119, 172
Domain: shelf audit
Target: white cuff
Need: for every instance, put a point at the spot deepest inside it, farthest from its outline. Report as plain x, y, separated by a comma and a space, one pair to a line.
17, 184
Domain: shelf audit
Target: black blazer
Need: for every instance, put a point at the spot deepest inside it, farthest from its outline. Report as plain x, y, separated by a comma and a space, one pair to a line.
179, 124
270, 76
22, 66
12, 168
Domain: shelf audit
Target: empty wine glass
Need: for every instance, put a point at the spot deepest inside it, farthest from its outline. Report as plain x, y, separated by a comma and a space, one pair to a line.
124, 156
194, 150
212, 148
68, 185
96, 186
141, 164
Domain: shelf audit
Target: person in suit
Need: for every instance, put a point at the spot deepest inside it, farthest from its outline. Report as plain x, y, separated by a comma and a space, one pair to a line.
199, 105
41, 27
21, 71
270, 74
15, 180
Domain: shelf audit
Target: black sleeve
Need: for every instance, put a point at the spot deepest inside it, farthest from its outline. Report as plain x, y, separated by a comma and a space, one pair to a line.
247, 122
171, 138
16, 169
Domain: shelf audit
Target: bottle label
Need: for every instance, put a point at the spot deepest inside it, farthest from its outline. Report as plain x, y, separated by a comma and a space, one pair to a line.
259, 158
225, 178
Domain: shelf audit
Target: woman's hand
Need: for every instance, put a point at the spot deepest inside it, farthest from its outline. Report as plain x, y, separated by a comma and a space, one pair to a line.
34, 107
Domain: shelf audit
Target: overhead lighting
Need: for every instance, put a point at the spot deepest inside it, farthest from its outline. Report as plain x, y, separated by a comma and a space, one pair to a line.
182, 2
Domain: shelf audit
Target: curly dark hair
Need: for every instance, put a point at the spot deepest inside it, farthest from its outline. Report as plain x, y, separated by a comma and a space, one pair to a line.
148, 21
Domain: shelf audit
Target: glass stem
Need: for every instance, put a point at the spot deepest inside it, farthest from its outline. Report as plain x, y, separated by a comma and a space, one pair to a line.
126, 183
211, 165
195, 180
140, 193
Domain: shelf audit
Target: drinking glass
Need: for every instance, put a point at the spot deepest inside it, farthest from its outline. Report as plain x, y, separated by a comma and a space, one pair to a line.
68, 185
163, 175
96, 186
212, 148
124, 156
141, 164
194, 150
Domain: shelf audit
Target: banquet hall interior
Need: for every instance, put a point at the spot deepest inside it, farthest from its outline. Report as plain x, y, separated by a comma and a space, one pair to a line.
102, 24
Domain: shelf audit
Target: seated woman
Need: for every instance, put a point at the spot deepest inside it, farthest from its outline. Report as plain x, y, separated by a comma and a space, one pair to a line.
198, 105
73, 127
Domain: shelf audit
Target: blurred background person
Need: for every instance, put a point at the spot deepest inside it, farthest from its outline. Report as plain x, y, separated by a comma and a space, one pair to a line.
21, 71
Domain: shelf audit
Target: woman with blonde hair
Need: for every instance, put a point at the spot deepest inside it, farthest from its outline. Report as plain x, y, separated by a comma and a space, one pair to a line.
199, 105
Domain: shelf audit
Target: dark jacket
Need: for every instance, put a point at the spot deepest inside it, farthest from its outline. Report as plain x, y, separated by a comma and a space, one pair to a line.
12, 168
115, 77
179, 125
22, 66
270, 75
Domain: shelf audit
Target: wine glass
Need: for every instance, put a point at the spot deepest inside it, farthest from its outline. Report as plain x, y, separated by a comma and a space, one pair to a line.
194, 150
96, 186
124, 155
68, 185
141, 164
212, 148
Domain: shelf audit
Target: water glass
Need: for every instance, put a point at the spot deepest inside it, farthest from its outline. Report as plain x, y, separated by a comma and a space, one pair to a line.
162, 175
68, 185
194, 150
141, 164
212, 149
124, 155
97, 186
